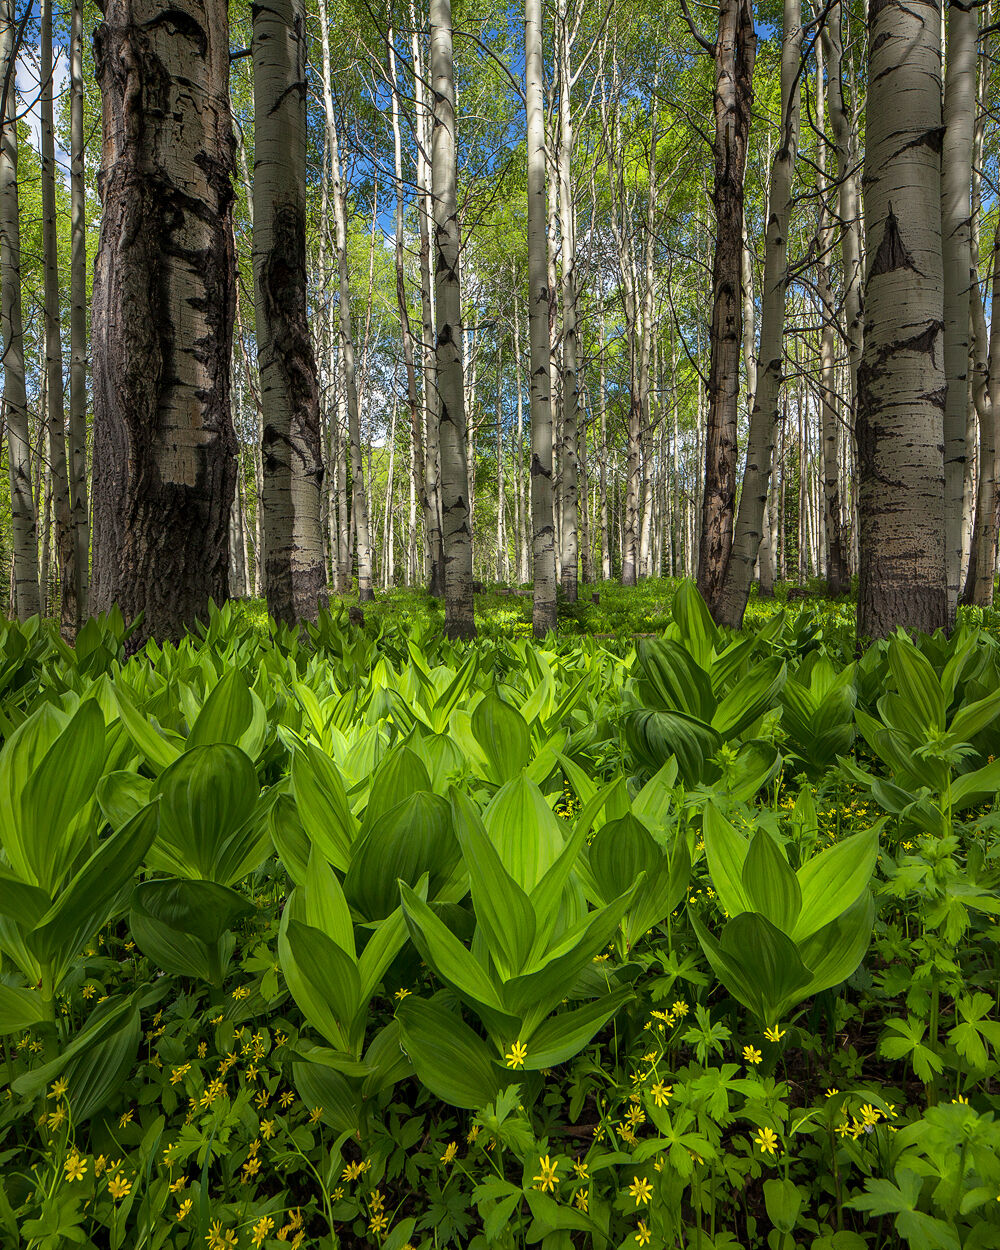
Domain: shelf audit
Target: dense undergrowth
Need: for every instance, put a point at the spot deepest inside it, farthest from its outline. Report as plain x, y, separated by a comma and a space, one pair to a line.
359, 937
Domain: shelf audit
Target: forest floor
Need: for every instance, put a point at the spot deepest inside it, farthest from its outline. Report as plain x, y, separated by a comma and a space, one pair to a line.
605, 610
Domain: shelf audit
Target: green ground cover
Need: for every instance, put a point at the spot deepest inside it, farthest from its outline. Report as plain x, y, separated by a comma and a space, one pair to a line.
360, 937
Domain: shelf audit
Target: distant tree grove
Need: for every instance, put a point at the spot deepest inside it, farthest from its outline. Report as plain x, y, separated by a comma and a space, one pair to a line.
306, 295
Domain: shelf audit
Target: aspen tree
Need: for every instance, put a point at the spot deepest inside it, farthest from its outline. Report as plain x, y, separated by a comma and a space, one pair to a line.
163, 305
24, 537
901, 382
460, 620
65, 541
730, 605
956, 245
77, 443
735, 52
292, 500
544, 604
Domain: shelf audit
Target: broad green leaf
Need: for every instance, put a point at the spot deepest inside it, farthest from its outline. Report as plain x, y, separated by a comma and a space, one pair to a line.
726, 851
323, 807
524, 831
503, 736
769, 883
226, 714
565, 1035
450, 1060
503, 911
834, 880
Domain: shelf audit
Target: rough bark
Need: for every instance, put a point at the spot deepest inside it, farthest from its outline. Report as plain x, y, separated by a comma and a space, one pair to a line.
359, 499
544, 609
292, 501
65, 539
956, 243
24, 538
568, 450
838, 577
731, 600
735, 52
163, 300
986, 396
460, 620
901, 383
417, 469
77, 443
425, 218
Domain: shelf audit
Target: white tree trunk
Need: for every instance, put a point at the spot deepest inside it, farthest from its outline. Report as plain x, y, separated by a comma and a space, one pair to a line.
460, 620
956, 244
544, 611
901, 383
750, 519
24, 538
292, 502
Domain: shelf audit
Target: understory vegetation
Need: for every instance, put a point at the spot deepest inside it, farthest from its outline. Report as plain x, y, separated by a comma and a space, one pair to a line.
353, 935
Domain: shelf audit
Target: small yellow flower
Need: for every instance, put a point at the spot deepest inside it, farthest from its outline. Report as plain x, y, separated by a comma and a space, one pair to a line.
75, 1167
451, 1150
351, 1172
252, 1166
179, 1184
59, 1088
261, 1229
202, 1049
751, 1055
99, 1165
516, 1055
267, 1129
774, 1034
472, 1134
126, 1118
178, 1074
220, 1238
89, 990
767, 1140
119, 1187
679, 1008
641, 1190
662, 1093
547, 1178
183, 1209
643, 1235
870, 1115
832, 1091
960, 1099
286, 1099
580, 1168
400, 994
315, 1115
581, 1200
56, 1117
378, 1223
337, 1194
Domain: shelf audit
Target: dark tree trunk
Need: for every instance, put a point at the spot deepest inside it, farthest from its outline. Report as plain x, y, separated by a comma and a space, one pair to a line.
163, 302
735, 52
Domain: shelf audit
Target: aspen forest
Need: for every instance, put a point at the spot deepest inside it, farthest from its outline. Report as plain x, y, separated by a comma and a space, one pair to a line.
499, 669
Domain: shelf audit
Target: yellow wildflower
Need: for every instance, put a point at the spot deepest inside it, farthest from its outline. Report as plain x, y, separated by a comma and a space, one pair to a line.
75, 1167
516, 1055
450, 1151
547, 1178
641, 1190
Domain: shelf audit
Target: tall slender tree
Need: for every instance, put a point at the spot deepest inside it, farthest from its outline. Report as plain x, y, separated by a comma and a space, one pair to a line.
956, 243
735, 51
68, 577
292, 502
24, 537
163, 304
901, 383
544, 610
77, 443
460, 619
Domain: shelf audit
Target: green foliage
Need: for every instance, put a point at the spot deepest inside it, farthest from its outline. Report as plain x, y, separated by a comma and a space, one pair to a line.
361, 935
